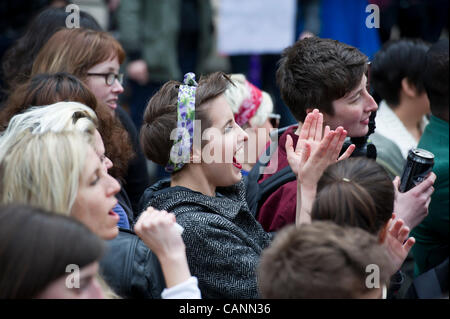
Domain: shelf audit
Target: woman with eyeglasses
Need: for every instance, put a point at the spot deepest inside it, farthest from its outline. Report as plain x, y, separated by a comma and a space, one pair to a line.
252, 109
95, 58
46, 89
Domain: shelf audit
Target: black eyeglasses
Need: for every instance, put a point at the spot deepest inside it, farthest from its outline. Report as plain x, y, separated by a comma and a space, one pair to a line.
274, 119
110, 77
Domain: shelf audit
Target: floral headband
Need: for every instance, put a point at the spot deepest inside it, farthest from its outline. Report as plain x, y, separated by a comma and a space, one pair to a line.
180, 152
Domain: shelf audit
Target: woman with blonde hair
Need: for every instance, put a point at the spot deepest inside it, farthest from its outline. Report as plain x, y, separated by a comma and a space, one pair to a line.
69, 178
61, 172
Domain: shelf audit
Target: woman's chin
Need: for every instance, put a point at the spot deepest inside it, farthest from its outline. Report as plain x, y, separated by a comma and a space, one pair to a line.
111, 234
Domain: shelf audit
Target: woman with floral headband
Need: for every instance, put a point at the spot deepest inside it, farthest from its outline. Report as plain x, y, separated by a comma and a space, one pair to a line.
205, 192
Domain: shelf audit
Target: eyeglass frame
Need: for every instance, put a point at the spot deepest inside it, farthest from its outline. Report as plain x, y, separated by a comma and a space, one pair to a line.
118, 77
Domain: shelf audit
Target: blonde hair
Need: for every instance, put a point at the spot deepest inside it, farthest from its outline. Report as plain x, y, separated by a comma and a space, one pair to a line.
61, 116
237, 93
43, 170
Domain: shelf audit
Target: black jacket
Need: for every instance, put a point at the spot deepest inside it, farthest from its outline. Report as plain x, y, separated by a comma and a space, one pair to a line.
131, 269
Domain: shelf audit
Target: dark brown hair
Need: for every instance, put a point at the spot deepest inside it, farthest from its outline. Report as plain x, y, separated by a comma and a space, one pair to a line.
355, 192
36, 247
46, 89
314, 72
320, 260
160, 116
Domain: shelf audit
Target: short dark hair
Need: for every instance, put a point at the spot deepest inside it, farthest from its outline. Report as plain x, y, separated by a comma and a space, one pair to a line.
36, 247
314, 72
355, 192
160, 116
320, 260
436, 78
395, 61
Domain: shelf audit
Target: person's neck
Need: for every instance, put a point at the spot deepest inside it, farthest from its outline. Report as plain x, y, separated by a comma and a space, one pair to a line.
410, 119
193, 177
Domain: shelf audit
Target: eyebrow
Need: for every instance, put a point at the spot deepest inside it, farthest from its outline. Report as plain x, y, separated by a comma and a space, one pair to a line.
96, 172
228, 122
351, 97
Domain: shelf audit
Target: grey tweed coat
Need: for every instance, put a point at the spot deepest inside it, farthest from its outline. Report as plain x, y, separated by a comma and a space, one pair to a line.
223, 240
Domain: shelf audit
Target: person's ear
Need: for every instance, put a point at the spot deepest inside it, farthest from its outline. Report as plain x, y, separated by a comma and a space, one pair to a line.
409, 88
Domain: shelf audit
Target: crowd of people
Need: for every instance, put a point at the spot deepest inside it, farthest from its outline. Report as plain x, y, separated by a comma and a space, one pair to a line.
246, 209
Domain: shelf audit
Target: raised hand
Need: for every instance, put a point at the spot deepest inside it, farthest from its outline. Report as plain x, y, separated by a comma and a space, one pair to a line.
397, 242
158, 231
310, 131
312, 164
310, 138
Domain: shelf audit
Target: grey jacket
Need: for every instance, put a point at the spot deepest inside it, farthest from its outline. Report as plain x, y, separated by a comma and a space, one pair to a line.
223, 240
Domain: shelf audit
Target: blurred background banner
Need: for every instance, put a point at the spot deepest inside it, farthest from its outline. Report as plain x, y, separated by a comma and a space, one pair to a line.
255, 26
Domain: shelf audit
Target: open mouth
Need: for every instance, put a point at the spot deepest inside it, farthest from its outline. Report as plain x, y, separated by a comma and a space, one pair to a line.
114, 214
112, 105
236, 163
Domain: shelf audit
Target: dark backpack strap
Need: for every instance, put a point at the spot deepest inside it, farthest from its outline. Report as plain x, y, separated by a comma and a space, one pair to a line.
252, 185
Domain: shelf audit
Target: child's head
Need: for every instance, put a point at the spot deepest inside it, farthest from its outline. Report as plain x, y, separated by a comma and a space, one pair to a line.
328, 75
356, 192
436, 79
322, 260
214, 115
396, 72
